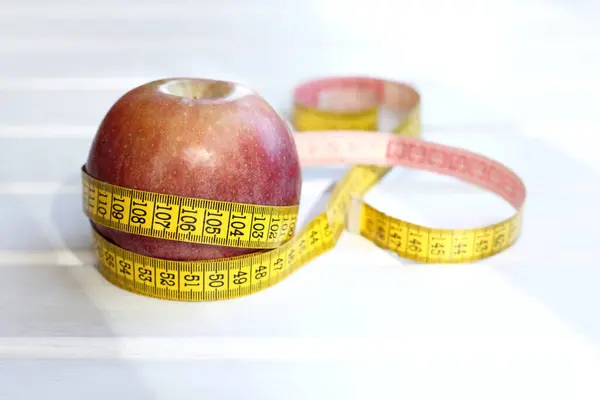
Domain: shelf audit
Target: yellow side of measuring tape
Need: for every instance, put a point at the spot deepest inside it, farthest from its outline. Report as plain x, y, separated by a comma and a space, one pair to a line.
187, 219
326, 134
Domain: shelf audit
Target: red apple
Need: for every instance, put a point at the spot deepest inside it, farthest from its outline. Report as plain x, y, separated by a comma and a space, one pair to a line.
198, 138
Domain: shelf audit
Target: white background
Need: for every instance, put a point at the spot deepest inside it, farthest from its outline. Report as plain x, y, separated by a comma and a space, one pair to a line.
515, 80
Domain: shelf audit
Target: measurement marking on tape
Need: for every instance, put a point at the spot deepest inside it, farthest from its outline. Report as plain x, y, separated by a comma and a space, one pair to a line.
186, 219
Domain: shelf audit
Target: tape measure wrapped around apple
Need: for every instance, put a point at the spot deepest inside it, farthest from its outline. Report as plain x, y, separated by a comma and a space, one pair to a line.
193, 186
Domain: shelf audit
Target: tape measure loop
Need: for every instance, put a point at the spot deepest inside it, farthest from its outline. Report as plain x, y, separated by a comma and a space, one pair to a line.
187, 219
334, 120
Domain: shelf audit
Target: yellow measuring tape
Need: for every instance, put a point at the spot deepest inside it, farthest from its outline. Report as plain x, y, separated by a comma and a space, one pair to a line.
329, 116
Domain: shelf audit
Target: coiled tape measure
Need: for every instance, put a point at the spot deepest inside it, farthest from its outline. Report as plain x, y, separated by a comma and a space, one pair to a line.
334, 120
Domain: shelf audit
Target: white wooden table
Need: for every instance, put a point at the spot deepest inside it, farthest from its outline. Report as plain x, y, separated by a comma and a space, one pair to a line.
516, 80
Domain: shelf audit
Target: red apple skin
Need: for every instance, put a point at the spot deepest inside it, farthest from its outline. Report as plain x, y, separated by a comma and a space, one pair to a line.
234, 149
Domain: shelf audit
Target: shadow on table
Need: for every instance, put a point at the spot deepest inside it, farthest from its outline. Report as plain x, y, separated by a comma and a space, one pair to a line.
69, 220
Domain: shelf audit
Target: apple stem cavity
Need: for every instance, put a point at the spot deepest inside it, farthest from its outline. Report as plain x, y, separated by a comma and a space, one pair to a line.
207, 91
